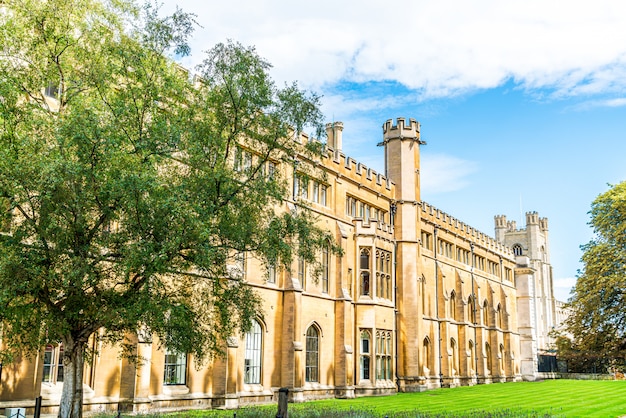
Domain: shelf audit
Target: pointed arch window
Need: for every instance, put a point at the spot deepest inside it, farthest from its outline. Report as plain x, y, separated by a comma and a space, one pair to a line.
428, 362
471, 312
452, 304
517, 249
454, 367
312, 355
472, 350
488, 355
484, 314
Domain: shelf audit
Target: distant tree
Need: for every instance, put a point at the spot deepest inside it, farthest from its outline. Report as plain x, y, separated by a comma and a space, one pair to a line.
125, 196
597, 320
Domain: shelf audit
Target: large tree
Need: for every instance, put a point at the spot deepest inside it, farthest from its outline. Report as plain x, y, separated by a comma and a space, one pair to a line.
597, 309
125, 192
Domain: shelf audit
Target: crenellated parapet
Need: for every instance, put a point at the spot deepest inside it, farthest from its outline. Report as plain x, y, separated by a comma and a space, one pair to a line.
348, 167
334, 161
532, 219
401, 130
455, 226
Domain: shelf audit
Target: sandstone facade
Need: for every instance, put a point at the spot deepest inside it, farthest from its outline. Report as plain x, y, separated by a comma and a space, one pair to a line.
418, 300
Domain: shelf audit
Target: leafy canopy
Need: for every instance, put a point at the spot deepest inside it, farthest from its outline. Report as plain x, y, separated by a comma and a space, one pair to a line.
123, 202
597, 319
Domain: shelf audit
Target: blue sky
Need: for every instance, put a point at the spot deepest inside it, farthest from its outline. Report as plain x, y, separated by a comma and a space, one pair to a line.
522, 103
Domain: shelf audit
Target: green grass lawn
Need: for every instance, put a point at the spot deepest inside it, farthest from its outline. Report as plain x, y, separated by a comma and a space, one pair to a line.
551, 398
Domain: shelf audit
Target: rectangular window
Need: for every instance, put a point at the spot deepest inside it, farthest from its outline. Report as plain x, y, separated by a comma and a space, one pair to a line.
304, 188
271, 273
247, 161
52, 90
323, 190
302, 272
240, 264
271, 170
175, 368
238, 163
315, 192
427, 240
325, 268
296, 187
365, 355
53, 364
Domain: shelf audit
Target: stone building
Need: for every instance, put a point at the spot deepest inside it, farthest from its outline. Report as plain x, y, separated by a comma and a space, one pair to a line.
538, 310
418, 300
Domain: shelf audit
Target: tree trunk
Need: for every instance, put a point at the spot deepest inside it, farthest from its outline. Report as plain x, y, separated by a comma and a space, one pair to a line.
71, 405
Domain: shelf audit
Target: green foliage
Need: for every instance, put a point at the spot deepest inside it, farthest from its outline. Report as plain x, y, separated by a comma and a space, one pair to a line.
123, 204
597, 319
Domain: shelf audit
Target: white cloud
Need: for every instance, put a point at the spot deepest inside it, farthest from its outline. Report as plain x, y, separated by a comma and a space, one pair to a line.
438, 48
562, 287
440, 173
590, 104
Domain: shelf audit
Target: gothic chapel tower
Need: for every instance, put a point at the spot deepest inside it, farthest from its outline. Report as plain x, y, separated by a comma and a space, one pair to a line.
402, 159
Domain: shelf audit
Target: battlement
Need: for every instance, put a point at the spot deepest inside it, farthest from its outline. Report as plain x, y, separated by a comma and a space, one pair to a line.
334, 135
401, 130
502, 224
455, 226
347, 167
532, 218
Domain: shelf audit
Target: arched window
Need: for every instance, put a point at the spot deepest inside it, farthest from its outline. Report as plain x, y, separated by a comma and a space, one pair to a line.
365, 355
312, 355
252, 359
427, 362
472, 350
454, 366
383, 355
452, 305
498, 318
388, 275
364, 265
484, 315
388, 353
517, 249
383, 274
471, 313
